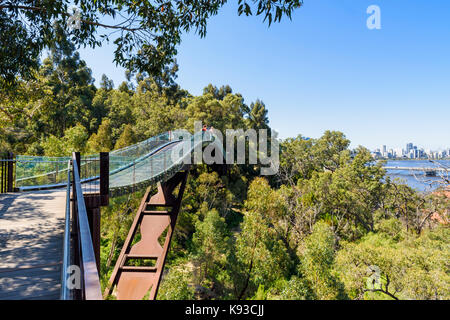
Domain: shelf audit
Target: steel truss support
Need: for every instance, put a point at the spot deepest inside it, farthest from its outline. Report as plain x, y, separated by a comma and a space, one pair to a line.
140, 265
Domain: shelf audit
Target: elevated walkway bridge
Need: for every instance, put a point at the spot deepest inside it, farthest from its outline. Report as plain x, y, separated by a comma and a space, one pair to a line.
50, 218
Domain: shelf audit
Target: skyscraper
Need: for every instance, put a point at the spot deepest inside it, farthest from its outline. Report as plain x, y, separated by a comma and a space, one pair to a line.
409, 146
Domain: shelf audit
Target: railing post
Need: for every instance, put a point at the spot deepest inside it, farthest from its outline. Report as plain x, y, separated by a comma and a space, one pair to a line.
10, 187
104, 177
78, 159
2, 175
56, 172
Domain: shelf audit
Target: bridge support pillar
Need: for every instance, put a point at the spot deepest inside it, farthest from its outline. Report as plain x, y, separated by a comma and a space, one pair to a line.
94, 224
138, 270
96, 200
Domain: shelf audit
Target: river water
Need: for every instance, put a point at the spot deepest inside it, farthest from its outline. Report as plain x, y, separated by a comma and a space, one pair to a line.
415, 179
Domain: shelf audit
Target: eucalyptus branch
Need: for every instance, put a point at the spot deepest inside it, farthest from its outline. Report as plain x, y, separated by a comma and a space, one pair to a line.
32, 8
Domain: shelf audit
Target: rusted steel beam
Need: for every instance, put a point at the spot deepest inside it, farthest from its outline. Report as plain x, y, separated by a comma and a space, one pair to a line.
135, 282
133, 229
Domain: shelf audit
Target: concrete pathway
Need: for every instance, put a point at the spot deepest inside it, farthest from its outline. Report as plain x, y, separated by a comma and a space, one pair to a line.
31, 239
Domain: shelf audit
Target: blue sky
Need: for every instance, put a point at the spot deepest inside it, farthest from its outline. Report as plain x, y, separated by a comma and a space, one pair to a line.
326, 70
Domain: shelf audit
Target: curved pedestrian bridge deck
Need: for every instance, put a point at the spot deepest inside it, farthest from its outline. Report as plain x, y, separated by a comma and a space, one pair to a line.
31, 244
32, 223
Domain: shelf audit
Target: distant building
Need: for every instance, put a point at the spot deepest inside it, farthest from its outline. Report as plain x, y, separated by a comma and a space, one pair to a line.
411, 152
399, 152
409, 146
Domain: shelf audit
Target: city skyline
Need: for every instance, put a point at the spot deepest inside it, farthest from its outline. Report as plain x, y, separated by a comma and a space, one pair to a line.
415, 144
411, 151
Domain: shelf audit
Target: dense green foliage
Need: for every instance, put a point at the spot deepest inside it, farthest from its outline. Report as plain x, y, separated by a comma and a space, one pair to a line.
316, 230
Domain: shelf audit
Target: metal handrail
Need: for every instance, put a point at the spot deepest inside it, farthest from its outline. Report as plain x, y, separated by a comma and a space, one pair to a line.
97, 177
90, 280
65, 291
46, 173
156, 138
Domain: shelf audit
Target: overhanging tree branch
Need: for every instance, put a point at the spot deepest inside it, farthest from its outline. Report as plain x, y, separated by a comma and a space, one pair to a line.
118, 26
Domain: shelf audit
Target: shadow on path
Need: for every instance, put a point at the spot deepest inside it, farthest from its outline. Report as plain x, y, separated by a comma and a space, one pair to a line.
31, 235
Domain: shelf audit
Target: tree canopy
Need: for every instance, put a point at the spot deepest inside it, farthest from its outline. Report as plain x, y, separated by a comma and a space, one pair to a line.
145, 33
